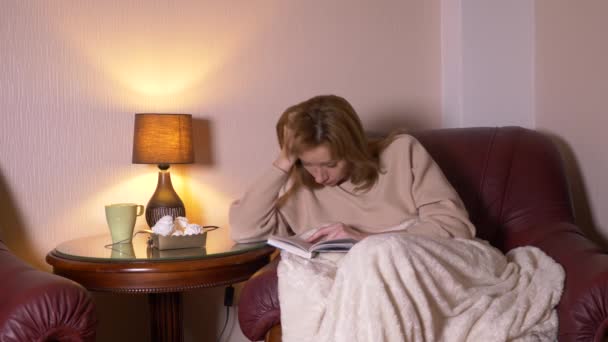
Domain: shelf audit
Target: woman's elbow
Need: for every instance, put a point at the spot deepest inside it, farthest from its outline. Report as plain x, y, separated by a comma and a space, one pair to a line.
246, 233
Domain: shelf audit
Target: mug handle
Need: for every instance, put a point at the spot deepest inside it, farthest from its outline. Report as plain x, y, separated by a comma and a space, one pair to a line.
140, 210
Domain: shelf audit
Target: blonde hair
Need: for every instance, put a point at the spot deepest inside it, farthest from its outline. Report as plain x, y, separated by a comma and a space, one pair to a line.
332, 121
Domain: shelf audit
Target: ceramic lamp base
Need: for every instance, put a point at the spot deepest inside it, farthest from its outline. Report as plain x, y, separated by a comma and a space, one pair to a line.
164, 201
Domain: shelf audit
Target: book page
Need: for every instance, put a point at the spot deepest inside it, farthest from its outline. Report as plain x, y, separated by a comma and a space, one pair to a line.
292, 240
291, 244
297, 244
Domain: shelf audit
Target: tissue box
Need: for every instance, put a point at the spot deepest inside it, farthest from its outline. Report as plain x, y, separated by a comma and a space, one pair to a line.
176, 242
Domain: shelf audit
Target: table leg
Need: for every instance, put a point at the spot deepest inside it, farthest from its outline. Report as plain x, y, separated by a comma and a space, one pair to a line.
166, 317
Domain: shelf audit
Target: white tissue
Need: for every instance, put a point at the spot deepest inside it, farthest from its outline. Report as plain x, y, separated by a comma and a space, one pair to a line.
193, 229
167, 226
164, 226
181, 223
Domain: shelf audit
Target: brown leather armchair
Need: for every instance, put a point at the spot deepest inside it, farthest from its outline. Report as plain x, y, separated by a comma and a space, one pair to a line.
513, 184
39, 306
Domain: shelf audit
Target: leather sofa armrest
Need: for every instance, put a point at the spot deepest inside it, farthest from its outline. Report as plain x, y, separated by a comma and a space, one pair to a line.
40, 306
583, 308
258, 308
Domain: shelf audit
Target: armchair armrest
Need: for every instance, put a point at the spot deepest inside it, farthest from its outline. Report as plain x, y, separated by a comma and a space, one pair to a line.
259, 309
583, 308
39, 306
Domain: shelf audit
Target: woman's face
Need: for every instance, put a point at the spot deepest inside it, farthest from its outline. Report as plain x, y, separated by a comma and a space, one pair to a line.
326, 171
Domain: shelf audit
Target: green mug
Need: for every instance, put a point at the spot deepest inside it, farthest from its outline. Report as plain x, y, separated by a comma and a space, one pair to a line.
123, 251
121, 220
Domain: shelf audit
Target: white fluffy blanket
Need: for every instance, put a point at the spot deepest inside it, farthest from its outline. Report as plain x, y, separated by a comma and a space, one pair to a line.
399, 287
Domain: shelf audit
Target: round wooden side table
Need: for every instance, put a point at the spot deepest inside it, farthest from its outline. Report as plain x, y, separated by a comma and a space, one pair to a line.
162, 274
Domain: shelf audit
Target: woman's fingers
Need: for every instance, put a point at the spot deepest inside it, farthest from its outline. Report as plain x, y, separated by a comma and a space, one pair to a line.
321, 232
333, 231
286, 160
287, 138
336, 231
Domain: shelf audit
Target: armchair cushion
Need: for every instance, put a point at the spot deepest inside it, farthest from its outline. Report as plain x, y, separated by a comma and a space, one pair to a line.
39, 306
258, 306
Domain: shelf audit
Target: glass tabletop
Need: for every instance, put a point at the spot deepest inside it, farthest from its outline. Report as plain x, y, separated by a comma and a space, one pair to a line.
95, 248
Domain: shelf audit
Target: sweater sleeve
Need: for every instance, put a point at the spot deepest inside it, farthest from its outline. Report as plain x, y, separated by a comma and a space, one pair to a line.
440, 209
255, 216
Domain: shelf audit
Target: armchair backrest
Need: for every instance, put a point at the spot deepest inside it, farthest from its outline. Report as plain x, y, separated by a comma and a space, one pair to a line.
511, 180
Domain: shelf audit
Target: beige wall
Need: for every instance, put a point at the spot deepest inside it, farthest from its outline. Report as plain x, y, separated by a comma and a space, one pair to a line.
487, 63
572, 89
72, 73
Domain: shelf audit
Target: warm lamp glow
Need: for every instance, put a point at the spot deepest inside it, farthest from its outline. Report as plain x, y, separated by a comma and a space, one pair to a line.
156, 53
161, 74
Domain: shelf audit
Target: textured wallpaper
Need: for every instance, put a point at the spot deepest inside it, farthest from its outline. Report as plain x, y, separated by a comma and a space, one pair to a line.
73, 73
572, 83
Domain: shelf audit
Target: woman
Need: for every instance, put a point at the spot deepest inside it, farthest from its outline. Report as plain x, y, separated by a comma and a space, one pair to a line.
417, 274
329, 174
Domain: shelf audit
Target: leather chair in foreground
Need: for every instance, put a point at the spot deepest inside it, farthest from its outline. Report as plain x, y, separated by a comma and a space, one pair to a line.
37, 306
513, 184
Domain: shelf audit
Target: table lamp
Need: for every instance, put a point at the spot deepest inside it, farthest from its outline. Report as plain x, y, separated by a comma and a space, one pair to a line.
163, 139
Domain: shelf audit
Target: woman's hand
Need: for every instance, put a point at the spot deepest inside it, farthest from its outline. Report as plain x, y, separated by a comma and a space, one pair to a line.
285, 160
337, 231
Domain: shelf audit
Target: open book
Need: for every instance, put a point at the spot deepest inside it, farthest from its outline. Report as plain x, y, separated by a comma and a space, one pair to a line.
299, 246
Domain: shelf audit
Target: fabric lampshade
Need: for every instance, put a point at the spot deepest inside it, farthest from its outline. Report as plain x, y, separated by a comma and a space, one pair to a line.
163, 139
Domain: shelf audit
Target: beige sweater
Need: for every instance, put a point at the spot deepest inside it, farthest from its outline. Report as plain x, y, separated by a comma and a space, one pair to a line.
412, 194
